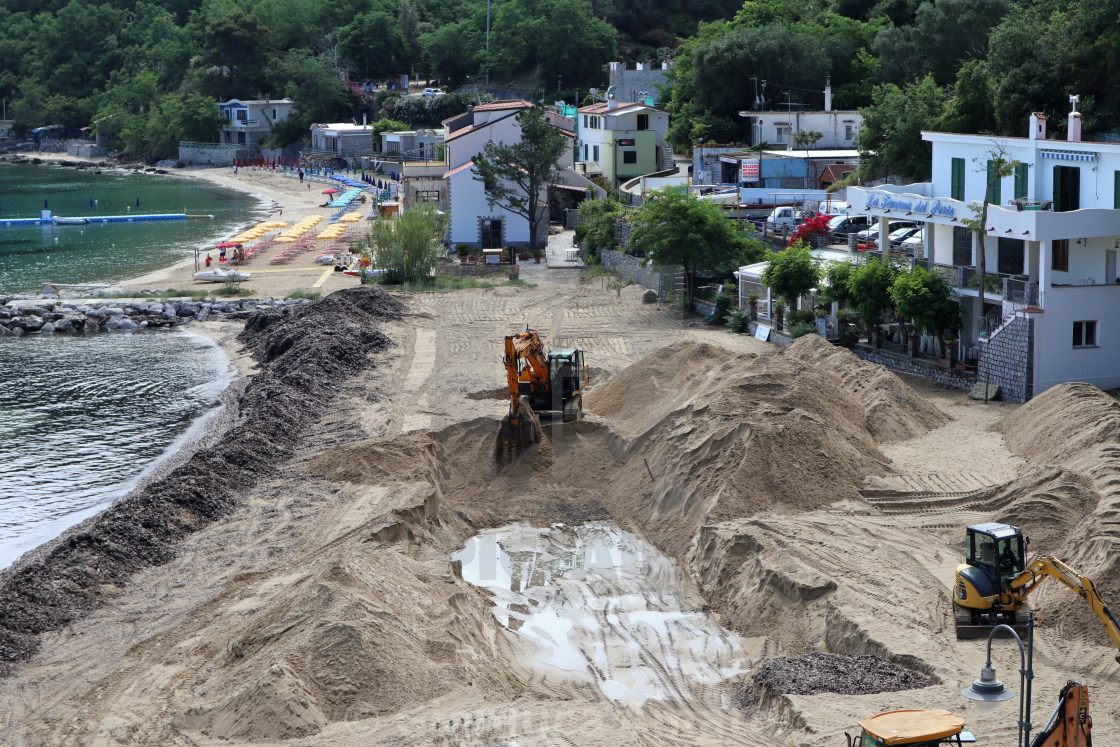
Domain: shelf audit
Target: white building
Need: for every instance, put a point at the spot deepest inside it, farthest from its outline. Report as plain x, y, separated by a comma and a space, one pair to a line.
1051, 242
413, 145
341, 139
473, 219
839, 129
621, 141
249, 121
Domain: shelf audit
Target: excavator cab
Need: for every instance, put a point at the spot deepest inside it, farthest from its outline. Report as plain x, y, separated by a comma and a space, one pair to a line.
568, 377
998, 551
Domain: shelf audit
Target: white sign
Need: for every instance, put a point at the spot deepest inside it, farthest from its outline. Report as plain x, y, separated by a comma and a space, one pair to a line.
888, 201
761, 332
750, 171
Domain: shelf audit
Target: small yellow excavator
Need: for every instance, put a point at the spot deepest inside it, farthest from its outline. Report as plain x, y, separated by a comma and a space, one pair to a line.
543, 381
996, 580
1069, 726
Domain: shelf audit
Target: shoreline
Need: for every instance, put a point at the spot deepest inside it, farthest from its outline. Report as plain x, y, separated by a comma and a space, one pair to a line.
281, 197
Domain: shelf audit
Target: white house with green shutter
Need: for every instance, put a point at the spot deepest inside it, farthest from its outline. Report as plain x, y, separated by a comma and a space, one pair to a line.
1052, 312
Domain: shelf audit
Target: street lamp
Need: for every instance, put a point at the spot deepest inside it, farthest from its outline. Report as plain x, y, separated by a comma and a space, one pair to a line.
989, 692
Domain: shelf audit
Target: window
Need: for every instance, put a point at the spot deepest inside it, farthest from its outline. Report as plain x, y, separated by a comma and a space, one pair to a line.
1085, 334
585, 152
595, 153
1116, 190
849, 132
242, 115
643, 121
273, 115
585, 121
427, 195
962, 246
629, 156
1010, 256
956, 191
1059, 255
1067, 188
781, 135
1020, 181
994, 183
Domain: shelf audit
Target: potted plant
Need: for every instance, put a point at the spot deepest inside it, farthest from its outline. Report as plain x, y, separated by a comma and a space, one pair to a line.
537, 255
950, 348
463, 251
752, 303
779, 312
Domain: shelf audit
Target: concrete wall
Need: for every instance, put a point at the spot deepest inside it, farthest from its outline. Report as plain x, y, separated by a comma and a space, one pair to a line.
839, 128
644, 77
1055, 358
931, 371
196, 154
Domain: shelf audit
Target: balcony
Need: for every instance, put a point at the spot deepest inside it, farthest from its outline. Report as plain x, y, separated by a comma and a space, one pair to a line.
1012, 289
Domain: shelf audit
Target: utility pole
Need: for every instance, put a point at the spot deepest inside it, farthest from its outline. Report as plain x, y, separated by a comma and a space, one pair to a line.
488, 42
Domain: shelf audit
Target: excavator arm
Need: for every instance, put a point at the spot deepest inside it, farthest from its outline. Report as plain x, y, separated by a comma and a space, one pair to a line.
1050, 567
526, 347
1070, 725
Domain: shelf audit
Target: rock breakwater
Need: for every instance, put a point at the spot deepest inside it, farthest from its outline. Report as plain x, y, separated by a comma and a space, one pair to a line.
303, 349
19, 316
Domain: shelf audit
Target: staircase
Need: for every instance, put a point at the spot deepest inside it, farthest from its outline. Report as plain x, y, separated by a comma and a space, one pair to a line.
666, 158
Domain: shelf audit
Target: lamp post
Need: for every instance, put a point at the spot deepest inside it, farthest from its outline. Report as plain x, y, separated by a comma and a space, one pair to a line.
988, 692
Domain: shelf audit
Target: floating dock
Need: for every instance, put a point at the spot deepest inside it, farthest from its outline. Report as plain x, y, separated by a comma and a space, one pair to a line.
46, 217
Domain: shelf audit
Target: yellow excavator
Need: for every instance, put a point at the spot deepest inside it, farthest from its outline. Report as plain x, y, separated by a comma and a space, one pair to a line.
996, 580
544, 381
1069, 726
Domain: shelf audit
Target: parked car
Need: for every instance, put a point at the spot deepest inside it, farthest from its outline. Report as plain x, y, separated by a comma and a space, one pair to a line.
913, 241
842, 225
431, 92
872, 233
783, 216
899, 235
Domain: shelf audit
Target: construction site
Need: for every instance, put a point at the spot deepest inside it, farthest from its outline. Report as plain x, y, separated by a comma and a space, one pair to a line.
411, 529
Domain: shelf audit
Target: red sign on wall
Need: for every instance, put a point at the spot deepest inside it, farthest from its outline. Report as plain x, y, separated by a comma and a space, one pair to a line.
750, 171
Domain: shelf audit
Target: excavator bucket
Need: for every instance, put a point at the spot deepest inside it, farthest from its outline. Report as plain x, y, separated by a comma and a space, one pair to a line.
518, 433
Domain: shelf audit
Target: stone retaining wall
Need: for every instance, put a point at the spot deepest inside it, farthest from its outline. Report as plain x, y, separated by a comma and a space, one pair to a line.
923, 369
635, 270
1006, 360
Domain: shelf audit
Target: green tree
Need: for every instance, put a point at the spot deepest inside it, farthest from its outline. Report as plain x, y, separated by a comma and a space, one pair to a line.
970, 108
926, 300
597, 219
891, 138
870, 287
837, 283
515, 176
677, 228
408, 246
792, 273
806, 139
454, 52
236, 56
376, 59
554, 37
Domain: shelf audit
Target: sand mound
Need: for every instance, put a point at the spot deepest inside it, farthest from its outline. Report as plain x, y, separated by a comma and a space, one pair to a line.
304, 352
1077, 427
829, 673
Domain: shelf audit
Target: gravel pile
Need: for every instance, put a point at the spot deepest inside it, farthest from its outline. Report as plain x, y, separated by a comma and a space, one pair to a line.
832, 673
302, 350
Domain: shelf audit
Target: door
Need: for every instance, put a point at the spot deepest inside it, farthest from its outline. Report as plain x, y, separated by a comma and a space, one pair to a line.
491, 237
1110, 266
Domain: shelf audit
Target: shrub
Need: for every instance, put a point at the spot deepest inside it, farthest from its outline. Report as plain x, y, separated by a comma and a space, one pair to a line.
800, 329
804, 316
738, 320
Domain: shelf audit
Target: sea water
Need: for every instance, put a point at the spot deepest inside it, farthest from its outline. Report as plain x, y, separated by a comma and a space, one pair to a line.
82, 419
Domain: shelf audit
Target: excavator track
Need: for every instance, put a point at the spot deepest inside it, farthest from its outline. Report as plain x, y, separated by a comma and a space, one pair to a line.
968, 630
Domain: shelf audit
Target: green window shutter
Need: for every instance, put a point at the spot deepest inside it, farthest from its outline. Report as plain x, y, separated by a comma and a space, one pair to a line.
1021, 181
994, 189
1116, 190
957, 188
1074, 188
1058, 205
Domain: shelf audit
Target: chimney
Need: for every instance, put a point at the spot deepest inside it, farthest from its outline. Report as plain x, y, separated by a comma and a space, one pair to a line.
614, 66
612, 102
1073, 131
1036, 126
828, 94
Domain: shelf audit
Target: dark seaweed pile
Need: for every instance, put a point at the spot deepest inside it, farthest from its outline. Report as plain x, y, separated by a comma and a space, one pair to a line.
304, 352
831, 673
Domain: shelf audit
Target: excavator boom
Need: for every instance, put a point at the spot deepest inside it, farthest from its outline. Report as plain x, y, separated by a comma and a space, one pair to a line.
1049, 567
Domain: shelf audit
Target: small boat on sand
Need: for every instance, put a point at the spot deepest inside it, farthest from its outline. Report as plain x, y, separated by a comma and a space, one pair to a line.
218, 275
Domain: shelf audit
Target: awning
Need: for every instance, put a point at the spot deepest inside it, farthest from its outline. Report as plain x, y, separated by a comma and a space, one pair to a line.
1070, 155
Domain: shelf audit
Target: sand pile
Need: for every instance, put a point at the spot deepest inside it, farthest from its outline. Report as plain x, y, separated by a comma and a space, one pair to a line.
1075, 427
829, 673
732, 435
302, 352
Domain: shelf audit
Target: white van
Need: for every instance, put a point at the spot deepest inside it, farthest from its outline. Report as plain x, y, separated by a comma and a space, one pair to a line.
783, 216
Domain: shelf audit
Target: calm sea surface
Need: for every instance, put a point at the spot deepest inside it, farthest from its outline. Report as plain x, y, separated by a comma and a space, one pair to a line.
82, 419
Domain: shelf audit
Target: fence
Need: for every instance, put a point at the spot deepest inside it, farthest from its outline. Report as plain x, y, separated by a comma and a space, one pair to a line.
635, 270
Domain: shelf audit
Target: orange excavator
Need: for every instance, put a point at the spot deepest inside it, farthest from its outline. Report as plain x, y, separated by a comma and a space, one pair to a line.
543, 381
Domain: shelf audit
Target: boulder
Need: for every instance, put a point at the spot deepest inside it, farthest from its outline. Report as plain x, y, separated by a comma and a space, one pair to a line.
650, 296
47, 328
120, 323
90, 327
114, 311
187, 311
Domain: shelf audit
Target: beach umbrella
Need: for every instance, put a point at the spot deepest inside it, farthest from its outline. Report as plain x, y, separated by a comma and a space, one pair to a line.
330, 191
228, 244
45, 206
137, 201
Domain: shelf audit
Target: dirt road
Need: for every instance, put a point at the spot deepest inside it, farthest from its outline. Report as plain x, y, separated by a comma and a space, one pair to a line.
800, 501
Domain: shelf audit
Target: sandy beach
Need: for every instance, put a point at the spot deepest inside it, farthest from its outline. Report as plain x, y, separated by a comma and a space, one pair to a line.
323, 585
